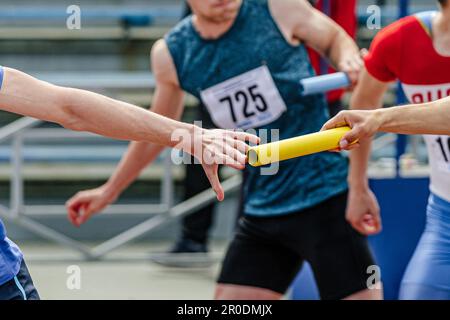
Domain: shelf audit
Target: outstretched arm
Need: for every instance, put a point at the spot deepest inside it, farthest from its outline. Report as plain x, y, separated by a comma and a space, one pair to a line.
83, 110
428, 118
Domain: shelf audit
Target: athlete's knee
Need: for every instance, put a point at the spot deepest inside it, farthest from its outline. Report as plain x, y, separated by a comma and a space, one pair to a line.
237, 292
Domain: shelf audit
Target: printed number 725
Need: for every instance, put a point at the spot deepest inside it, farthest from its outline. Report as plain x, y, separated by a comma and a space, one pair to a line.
245, 96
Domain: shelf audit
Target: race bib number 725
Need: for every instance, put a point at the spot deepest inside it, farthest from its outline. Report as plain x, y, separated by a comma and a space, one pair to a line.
249, 100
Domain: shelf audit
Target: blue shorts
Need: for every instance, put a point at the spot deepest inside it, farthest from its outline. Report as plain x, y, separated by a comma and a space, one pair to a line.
21, 287
428, 274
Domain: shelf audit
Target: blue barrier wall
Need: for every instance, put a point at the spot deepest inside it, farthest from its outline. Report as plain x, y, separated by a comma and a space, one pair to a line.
403, 204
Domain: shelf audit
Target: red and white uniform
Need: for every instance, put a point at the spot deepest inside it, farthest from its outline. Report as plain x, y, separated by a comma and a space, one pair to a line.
404, 51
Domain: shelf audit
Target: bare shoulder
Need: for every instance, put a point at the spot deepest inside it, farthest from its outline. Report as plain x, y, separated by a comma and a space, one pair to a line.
288, 14
163, 66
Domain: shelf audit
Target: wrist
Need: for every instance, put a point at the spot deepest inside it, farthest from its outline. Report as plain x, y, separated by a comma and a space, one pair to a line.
347, 54
193, 132
358, 184
182, 137
381, 118
111, 190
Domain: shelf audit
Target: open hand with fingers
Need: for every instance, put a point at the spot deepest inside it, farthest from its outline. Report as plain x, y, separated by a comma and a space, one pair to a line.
219, 147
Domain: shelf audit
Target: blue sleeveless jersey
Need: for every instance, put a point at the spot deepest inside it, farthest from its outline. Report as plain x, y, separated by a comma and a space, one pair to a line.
255, 40
10, 255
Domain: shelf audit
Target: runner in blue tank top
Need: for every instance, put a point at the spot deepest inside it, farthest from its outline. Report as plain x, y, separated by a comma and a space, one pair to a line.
244, 60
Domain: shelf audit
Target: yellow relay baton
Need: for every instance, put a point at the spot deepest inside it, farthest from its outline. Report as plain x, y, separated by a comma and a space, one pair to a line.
296, 147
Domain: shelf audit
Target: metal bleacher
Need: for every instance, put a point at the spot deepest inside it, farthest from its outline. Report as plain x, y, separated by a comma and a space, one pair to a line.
48, 21
112, 20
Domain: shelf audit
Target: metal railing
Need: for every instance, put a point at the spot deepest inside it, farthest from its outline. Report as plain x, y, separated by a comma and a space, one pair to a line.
20, 213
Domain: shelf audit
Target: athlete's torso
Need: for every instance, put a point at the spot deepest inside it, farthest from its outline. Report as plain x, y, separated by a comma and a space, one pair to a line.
249, 78
410, 56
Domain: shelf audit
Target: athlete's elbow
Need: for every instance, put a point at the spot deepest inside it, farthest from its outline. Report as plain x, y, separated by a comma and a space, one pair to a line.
73, 121
74, 124
70, 115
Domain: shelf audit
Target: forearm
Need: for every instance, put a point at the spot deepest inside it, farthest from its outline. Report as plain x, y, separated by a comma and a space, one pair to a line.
429, 118
120, 120
359, 158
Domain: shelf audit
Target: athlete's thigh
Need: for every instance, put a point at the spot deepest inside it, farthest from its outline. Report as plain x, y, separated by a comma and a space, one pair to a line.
428, 273
338, 254
256, 260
